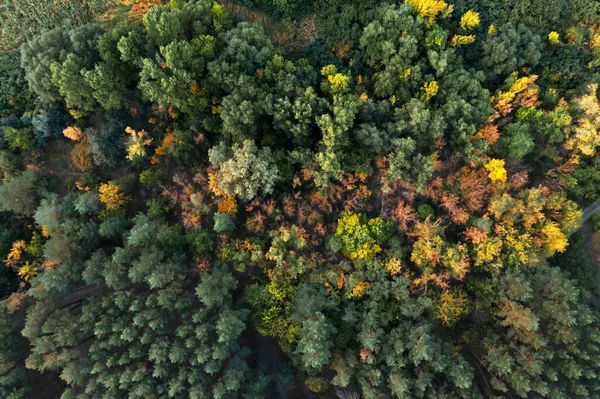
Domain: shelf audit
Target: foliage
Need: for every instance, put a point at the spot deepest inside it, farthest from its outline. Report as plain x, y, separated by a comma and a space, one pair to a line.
244, 171
496, 170
24, 19
111, 196
361, 237
137, 143
18, 139
469, 20
389, 183
224, 222
18, 194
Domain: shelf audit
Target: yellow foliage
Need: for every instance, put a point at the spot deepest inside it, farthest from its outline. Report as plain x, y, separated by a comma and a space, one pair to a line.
595, 41
338, 82
492, 29
496, 171
574, 36
427, 252
73, 133
453, 304
227, 205
213, 184
80, 156
469, 20
328, 70
45, 232
316, 384
587, 137
405, 74
431, 89
76, 114
555, 238
360, 289
137, 143
520, 245
16, 251
488, 251
456, 259
394, 266
27, 271
460, 40
110, 196
355, 231
342, 50
429, 9
553, 37
518, 85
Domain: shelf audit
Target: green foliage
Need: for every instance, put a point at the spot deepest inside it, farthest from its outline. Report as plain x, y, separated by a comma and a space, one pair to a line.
407, 166
200, 241
544, 15
18, 139
20, 193
361, 237
389, 201
224, 222
14, 93
151, 177
516, 142
509, 49
244, 171
272, 311
13, 380
107, 143
21, 20
425, 211
55, 46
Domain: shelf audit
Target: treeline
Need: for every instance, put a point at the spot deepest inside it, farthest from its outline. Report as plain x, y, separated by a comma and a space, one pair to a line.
392, 204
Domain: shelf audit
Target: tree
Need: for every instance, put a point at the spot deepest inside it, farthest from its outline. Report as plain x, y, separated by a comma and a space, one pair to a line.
111, 196
244, 171
224, 222
510, 48
25, 19
137, 143
114, 321
13, 381
52, 47
20, 193
18, 139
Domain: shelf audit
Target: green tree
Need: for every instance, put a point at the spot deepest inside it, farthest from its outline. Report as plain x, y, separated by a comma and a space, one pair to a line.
20, 193
244, 171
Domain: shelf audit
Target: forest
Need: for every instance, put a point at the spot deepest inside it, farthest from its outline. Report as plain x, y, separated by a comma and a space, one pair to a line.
328, 199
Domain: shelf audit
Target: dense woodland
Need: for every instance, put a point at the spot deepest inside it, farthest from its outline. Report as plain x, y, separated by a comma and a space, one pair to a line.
299, 199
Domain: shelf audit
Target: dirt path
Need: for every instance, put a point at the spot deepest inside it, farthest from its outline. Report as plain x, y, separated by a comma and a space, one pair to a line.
590, 211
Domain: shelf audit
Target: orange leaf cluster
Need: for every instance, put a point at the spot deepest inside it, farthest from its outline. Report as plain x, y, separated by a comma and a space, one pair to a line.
73, 133
227, 205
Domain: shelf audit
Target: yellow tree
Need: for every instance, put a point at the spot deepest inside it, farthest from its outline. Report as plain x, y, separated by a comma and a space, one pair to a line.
137, 143
111, 196
496, 171
586, 137
429, 9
